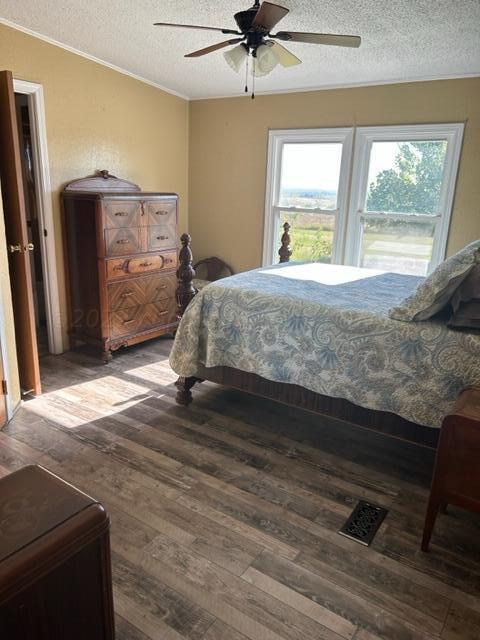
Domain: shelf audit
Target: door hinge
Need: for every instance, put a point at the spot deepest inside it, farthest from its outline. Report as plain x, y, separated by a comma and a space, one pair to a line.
4, 387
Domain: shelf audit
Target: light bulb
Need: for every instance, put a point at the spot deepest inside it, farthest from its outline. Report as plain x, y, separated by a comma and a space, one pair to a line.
236, 57
266, 60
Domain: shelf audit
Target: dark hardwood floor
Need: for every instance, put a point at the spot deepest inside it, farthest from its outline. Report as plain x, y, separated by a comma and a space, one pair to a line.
225, 515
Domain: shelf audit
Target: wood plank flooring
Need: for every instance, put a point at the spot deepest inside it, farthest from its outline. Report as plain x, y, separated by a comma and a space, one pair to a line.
225, 514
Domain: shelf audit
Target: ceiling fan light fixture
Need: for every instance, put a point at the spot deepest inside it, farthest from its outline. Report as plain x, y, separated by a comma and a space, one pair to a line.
236, 57
255, 26
266, 60
284, 56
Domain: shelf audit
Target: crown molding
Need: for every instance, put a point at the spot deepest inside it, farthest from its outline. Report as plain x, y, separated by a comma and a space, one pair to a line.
66, 47
331, 87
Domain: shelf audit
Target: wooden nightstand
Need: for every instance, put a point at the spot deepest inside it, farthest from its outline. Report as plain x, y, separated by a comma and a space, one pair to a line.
456, 477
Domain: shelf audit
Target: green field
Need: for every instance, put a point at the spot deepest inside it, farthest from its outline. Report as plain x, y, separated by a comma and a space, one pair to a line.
314, 243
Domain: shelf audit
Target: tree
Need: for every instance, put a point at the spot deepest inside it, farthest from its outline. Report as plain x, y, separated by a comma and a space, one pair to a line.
413, 184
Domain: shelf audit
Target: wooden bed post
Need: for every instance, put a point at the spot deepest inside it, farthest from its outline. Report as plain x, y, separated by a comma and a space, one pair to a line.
185, 293
185, 273
285, 250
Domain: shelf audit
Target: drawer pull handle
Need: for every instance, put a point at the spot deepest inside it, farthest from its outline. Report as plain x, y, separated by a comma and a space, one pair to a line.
129, 321
146, 264
127, 293
122, 267
168, 260
163, 313
162, 286
121, 213
161, 213
123, 241
162, 237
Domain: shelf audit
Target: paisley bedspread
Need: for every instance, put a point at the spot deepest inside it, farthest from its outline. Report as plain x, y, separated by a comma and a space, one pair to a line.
326, 328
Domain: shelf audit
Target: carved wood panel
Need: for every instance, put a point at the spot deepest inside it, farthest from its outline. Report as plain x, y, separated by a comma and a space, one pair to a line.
122, 214
138, 291
160, 237
122, 242
134, 319
160, 212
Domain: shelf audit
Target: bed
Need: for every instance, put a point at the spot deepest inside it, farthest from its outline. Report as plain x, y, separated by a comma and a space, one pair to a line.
319, 336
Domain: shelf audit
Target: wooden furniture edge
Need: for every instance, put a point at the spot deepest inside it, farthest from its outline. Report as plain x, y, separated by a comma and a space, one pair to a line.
453, 478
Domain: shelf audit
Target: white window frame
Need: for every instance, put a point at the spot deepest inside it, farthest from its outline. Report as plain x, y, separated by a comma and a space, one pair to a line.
364, 138
276, 140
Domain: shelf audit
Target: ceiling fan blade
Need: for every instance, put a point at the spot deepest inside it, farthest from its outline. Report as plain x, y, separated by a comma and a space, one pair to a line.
213, 47
284, 56
319, 38
268, 15
195, 26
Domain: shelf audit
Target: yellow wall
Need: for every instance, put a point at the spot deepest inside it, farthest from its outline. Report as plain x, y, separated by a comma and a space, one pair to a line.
98, 118
228, 154
7, 340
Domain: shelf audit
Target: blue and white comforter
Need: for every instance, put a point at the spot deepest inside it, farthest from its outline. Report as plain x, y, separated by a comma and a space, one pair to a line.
326, 328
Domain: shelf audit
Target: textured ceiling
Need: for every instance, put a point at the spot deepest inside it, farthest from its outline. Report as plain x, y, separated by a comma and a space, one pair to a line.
401, 40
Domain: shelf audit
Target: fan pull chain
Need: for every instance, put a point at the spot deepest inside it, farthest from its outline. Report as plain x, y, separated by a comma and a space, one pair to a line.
253, 80
246, 75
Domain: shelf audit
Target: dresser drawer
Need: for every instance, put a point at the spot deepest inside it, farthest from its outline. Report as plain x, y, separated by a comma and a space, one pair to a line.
160, 212
121, 242
134, 319
161, 237
122, 214
139, 291
120, 268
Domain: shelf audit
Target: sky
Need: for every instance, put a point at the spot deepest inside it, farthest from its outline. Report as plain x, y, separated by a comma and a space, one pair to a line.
317, 165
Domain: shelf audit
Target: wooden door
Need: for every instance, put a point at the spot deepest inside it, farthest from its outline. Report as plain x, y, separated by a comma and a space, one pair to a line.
17, 239
3, 399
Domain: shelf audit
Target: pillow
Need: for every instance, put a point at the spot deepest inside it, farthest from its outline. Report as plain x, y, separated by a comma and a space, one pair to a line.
467, 315
466, 302
436, 290
468, 290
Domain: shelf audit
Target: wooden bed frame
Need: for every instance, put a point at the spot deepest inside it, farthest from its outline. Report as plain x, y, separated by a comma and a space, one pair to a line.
289, 394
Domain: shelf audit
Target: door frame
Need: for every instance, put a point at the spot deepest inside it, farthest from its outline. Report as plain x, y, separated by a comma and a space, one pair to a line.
43, 189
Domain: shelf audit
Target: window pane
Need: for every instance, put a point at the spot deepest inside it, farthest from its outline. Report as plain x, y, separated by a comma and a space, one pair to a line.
403, 246
310, 175
312, 235
405, 177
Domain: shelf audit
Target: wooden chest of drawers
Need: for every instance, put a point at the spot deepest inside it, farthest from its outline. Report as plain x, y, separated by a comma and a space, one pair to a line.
121, 255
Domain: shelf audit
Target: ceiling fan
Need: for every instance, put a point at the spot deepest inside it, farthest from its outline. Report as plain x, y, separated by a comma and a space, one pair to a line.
254, 39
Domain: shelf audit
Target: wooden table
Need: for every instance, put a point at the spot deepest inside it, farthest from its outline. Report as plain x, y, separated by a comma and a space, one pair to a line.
456, 477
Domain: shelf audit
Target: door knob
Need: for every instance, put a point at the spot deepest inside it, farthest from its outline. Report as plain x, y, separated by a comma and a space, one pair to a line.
29, 247
12, 248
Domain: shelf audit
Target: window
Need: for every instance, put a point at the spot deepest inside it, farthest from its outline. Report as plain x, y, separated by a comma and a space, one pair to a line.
308, 179
402, 193
403, 180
